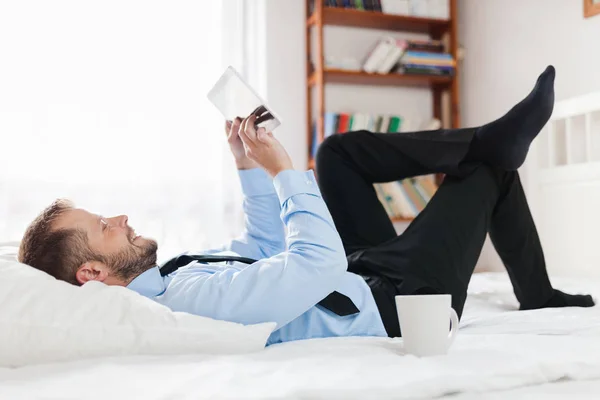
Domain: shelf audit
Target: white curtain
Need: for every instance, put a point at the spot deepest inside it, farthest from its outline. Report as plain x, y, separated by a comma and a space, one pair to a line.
104, 102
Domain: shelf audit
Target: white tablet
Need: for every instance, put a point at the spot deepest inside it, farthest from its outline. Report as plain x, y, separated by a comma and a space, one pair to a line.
234, 97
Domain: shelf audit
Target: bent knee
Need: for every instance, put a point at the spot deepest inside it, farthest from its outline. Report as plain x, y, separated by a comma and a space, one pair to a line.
328, 149
335, 144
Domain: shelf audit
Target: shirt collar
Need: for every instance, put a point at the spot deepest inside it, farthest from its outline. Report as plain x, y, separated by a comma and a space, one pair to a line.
148, 283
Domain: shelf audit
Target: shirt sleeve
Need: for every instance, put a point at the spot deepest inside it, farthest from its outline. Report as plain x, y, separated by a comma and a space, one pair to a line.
264, 234
282, 287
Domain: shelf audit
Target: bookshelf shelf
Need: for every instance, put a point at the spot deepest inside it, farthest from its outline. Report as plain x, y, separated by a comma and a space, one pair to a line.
365, 78
377, 20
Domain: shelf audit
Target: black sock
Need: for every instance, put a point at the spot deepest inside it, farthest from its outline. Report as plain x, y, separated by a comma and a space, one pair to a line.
505, 142
560, 299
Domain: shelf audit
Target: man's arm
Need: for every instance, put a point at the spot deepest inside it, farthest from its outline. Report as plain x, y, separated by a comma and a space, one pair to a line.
280, 288
263, 235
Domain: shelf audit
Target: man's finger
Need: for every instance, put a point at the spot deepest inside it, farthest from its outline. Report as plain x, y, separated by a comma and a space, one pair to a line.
264, 136
244, 137
235, 127
228, 125
248, 128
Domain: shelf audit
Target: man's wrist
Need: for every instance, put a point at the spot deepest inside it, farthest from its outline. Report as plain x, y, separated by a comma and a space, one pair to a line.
246, 164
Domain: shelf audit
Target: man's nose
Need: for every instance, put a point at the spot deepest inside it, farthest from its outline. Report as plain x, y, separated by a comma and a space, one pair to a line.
120, 221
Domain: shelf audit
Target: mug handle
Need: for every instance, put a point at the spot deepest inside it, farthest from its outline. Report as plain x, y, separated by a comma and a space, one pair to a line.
454, 328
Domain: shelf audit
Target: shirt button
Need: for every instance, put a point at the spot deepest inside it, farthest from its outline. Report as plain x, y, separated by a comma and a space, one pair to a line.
309, 183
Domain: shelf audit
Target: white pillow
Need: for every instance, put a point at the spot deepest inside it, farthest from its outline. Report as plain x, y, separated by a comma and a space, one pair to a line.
45, 320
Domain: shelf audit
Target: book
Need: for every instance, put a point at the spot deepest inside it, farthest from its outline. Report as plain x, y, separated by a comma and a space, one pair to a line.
378, 54
425, 8
421, 191
370, 123
395, 7
425, 71
393, 57
426, 182
378, 123
329, 124
443, 68
398, 201
394, 125
432, 46
405, 198
423, 198
390, 202
412, 195
344, 125
409, 206
346, 122
385, 122
429, 56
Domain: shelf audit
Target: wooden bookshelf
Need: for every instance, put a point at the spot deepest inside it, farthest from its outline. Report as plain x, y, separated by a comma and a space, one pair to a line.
318, 76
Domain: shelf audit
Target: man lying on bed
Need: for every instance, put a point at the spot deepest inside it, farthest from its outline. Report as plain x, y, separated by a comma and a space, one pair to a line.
333, 274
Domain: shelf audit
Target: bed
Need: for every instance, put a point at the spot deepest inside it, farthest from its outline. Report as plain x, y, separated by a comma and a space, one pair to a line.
499, 352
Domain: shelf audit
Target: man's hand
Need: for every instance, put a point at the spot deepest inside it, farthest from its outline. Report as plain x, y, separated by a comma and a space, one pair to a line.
236, 145
261, 147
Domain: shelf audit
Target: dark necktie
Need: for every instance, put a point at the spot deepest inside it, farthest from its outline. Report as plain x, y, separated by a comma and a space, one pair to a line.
335, 302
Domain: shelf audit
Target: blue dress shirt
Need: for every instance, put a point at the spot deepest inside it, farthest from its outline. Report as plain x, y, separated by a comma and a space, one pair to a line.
295, 270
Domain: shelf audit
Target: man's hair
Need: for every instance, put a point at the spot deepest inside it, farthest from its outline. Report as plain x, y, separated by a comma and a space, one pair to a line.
58, 252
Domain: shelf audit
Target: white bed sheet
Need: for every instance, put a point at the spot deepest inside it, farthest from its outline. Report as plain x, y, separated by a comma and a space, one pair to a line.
571, 390
498, 351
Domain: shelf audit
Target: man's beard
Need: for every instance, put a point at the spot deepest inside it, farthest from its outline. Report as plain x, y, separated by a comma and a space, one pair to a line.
132, 261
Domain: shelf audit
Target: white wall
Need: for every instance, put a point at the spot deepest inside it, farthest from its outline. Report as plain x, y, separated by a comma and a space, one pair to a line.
508, 43
285, 69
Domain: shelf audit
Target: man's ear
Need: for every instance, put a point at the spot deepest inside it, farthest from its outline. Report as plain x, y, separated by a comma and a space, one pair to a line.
91, 271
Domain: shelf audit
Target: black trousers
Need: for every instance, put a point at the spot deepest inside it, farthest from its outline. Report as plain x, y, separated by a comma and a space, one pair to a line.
438, 251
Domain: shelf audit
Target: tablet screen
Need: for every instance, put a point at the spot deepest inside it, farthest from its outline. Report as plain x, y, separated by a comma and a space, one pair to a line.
234, 97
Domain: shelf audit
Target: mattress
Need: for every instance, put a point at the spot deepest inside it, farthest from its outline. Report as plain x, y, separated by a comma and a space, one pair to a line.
499, 352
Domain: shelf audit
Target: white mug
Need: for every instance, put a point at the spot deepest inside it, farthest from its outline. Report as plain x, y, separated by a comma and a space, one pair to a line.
425, 322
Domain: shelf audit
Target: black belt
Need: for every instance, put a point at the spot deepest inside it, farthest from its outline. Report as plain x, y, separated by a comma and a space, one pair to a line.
335, 302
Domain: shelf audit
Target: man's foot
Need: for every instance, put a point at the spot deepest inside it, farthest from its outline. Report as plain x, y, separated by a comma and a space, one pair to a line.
505, 142
560, 299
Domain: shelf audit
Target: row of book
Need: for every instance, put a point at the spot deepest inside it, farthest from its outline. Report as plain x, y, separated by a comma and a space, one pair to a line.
344, 122
427, 63
409, 57
417, 8
367, 5
406, 198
